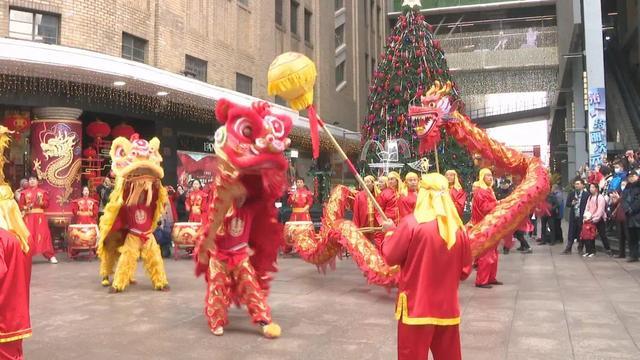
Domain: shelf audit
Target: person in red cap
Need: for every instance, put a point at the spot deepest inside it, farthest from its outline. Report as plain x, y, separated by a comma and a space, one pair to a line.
433, 252
484, 201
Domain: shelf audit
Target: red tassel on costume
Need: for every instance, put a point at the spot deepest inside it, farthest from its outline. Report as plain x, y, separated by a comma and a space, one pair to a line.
315, 135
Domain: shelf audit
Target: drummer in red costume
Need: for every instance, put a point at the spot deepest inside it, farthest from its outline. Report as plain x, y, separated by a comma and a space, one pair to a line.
484, 201
408, 199
300, 201
85, 209
364, 213
432, 250
33, 202
196, 202
458, 195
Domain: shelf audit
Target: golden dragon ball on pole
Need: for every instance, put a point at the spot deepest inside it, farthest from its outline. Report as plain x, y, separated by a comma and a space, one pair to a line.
292, 76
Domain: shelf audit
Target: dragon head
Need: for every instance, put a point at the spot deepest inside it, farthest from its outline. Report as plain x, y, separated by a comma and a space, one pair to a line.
252, 139
428, 117
136, 157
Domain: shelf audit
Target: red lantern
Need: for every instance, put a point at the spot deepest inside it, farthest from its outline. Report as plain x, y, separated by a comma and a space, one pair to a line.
17, 123
123, 130
98, 129
90, 153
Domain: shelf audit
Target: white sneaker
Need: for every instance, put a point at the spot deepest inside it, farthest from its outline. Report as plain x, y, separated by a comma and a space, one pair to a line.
585, 254
53, 260
591, 255
219, 331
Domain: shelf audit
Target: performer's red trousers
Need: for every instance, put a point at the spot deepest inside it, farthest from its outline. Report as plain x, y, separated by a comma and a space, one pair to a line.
487, 267
11, 350
415, 341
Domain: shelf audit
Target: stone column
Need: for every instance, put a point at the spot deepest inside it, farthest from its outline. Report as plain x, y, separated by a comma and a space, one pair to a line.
56, 146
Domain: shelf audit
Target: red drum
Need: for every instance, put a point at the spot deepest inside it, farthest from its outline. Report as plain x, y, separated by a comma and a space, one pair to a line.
184, 235
82, 237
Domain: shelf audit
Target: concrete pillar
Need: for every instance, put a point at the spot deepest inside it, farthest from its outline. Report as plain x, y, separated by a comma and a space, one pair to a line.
594, 55
56, 146
577, 131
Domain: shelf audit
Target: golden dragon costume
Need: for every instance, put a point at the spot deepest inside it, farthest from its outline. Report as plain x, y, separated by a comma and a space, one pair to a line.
434, 112
135, 206
238, 244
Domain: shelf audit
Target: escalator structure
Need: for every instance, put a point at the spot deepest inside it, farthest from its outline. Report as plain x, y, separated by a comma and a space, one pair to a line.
623, 101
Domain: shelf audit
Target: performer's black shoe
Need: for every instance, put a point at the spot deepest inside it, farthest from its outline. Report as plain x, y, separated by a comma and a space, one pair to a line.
484, 286
496, 283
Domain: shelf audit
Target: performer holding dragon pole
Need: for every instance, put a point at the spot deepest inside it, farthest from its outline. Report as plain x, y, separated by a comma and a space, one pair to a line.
238, 244
364, 214
434, 255
483, 202
15, 268
458, 195
132, 214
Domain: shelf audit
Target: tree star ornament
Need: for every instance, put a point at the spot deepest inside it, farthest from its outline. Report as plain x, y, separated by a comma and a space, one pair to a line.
412, 3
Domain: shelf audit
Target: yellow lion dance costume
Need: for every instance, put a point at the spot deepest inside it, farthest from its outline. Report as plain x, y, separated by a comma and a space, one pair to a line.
134, 209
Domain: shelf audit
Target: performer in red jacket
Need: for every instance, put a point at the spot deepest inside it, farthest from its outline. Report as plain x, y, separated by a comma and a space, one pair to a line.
364, 213
196, 202
33, 202
85, 209
15, 276
388, 200
300, 201
484, 201
408, 199
432, 250
458, 195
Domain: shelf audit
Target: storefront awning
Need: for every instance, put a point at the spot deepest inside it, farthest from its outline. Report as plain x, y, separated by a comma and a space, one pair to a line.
32, 59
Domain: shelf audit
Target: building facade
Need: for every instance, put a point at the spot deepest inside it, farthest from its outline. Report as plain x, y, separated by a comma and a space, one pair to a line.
159, 66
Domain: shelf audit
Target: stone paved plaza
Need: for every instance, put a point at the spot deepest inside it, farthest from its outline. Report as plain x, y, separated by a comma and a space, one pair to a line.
551, 307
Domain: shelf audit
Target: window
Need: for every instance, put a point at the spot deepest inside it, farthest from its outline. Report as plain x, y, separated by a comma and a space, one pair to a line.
244, 2
195, 68
339, 4
279, 17
339, 74
371, 9
133, 48
294, 17
366, 66
307, 25
244, 84
281, 101
339, 36
366, 21
373, 65
34, 26
378, 21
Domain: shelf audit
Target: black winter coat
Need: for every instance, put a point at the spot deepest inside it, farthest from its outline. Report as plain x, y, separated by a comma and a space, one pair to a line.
631, 204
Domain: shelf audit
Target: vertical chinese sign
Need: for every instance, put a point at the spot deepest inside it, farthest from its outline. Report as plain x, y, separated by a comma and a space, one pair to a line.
597, 126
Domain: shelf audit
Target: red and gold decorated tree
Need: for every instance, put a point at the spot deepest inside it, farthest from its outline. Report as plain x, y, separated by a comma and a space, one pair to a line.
412, 62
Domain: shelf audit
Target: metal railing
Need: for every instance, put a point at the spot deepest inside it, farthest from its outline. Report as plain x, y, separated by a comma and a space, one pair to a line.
497, 40
508, 108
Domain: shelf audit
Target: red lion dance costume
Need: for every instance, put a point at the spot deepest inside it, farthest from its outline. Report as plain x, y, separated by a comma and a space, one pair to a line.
238, 244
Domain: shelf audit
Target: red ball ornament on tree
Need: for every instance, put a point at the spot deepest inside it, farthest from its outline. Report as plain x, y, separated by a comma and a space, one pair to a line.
123, 130
397, 88
436, 44
440, 71
389, 57
396, 102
